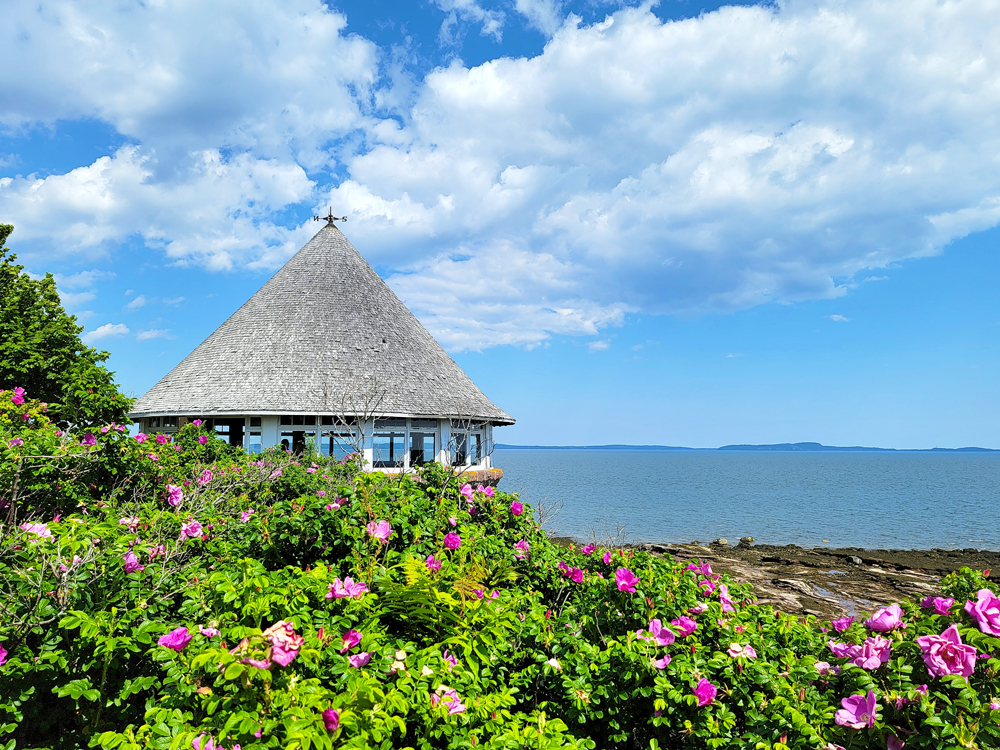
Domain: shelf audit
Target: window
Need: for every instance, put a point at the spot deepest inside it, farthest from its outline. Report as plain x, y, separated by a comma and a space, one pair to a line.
287, 438
222, 429
255, 421
388, 449
423, 424
154, 422
421, 448
382, 424
255, 445
337, 444
285, 419
170, 421
466, 448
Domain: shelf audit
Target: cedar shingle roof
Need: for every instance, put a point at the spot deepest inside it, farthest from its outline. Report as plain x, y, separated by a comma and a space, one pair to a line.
325, 335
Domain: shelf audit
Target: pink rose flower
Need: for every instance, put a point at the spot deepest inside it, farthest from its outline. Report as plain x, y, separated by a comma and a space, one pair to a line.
132, 563
89, 439
346, 589
359, 660
320, 493
142, 437
208, 632
892, 742
662, 635
607, 558
824, 668
727, 603
575, 575
38, 529
588, 549
685, 626
939, 604
245, 515
452, 540
15, 442
331, 719
205, 477
842, 624
18, 396
662, 663
3, 655
381, 530
874, 653
285, 642
626, 580
986, 612
174, 495
946, 654
517, 508
351, 639
196, 422
858, 711
192, 529
433, 564
176, 639
522, 548
885, 619
706, 692
161, 439
466, 490
747, 651
697, 609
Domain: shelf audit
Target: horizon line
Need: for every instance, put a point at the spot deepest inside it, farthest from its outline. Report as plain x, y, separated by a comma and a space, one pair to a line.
802, 447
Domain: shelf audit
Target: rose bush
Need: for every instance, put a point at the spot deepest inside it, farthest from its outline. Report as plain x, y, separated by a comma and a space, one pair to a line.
205, 598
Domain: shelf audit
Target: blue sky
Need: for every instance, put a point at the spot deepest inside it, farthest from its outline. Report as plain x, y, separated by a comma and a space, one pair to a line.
679, 223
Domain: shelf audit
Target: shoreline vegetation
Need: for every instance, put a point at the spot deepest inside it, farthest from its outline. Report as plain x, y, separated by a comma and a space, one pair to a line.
174, 592
824, 581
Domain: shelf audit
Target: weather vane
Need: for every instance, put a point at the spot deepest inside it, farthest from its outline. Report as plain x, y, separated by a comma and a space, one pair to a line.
330, 218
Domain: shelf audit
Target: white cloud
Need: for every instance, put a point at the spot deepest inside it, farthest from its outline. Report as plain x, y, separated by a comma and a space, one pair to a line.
734, 355
153, 333
72, 300
599, 346
544, 15
82, 279
173, 301
469, 11
218, 214
748, 155
837, 318
108, 330
136, 303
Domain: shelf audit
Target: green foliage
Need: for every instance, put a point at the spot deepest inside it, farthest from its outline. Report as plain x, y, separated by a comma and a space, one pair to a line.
41, 350
154, 593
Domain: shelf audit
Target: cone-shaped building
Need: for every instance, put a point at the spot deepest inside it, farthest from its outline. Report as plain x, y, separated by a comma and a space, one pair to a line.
326, 352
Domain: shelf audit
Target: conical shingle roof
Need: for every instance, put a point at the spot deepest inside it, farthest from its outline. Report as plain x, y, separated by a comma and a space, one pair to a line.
325, 335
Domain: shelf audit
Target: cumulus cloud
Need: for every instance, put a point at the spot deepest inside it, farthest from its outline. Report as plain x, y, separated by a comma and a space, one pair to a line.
218, 214
136, 303
106, 331
748, 155
599, 346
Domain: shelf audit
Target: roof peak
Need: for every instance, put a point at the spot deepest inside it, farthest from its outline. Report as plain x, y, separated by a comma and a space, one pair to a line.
321, 334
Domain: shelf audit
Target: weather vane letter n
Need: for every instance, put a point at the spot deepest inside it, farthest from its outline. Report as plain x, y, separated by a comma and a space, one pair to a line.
330, 218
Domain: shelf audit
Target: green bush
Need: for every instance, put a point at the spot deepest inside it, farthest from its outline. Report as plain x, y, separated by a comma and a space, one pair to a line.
176, 594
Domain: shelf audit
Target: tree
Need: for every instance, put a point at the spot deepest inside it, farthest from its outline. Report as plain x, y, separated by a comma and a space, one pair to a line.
41, 350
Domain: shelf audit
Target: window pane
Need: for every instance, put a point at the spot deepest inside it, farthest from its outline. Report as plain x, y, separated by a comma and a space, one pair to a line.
388, 449
255, 421
475, 448
255, 445
286, 441
285, 419
459, 449
421, 448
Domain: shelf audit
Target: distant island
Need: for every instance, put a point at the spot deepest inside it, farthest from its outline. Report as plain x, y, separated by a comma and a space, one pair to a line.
775, 447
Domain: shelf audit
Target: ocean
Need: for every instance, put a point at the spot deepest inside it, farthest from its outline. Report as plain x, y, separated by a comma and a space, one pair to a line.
902, 500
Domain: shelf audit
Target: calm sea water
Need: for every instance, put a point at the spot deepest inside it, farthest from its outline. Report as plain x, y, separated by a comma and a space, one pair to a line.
881, 500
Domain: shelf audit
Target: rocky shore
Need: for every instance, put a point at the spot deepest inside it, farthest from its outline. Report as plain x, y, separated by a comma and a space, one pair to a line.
832, 582
826, 582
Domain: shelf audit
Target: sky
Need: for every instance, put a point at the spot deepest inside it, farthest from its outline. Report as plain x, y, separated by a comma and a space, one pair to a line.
675, 223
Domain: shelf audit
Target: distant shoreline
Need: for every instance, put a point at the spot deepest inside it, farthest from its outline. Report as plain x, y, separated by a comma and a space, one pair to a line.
772, 448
